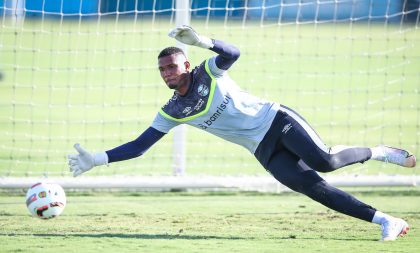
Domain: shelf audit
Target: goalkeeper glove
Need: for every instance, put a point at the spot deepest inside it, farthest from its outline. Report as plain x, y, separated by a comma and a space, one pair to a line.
85, 161
187, 35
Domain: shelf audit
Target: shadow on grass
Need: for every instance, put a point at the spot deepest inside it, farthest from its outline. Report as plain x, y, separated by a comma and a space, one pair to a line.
136, 236
326, 239
179, 237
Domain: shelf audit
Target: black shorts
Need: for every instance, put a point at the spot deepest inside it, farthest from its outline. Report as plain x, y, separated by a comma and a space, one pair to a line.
289, 132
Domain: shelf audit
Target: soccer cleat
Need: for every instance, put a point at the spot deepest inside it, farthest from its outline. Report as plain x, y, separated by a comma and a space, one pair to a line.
392, 228
396, 156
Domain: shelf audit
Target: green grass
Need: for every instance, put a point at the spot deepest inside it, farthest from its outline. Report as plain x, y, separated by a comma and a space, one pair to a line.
96, 83
204, 222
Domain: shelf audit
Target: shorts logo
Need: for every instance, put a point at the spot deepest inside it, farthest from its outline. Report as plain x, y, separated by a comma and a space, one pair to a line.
203, 90
286, 128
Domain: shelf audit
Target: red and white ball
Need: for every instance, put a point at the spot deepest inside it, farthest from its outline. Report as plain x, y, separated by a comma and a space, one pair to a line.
45, 200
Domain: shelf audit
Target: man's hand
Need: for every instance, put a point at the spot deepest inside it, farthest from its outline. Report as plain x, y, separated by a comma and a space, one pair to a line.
187, 35
85, 161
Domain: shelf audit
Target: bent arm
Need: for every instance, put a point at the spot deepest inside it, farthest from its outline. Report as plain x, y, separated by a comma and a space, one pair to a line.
136, 147
228, 54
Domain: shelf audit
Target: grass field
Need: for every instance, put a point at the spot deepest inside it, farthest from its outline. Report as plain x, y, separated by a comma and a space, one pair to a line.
96, 83
204, 222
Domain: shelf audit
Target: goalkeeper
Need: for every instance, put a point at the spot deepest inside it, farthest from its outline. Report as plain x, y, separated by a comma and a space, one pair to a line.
282, 141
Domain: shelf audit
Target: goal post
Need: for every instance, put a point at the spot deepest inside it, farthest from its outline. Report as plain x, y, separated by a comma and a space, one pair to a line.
182, 17
85, 72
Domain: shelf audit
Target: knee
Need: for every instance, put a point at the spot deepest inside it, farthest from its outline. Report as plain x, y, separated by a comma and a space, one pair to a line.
328, 163
305, 183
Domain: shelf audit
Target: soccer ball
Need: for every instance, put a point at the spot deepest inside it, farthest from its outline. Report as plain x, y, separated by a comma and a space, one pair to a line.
46, 200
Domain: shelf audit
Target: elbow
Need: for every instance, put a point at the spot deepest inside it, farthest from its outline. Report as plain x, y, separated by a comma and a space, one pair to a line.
236, 53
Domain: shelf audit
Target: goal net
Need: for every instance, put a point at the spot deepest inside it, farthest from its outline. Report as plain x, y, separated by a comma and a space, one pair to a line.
85, 71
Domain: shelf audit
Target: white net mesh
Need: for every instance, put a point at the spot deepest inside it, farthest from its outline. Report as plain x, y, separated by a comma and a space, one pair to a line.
86, 71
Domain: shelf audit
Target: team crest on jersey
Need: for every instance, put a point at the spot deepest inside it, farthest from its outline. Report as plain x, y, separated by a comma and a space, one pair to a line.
203, 90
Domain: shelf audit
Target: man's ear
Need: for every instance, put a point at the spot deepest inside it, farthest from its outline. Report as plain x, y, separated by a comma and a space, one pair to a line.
187, 65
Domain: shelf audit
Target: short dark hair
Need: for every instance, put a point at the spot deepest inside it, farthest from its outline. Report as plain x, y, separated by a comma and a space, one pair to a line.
170, 51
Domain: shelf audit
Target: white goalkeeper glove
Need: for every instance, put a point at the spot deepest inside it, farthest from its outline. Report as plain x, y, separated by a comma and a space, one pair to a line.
187, 35
85, 161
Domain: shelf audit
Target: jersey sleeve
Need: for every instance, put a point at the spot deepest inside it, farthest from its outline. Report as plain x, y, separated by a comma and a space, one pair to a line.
216, 71
227, 54
135, 148
163, 124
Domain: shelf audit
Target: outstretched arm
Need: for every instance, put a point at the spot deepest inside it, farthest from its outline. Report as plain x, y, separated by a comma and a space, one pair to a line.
135, 148
228, 54
85, 161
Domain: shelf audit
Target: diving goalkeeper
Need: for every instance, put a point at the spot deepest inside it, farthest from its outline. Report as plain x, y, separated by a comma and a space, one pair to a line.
280, 139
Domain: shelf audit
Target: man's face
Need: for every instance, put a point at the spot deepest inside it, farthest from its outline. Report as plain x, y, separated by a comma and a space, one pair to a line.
174, 70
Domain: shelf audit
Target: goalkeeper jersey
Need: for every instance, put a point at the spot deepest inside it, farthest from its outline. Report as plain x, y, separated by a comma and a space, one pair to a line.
215, 104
